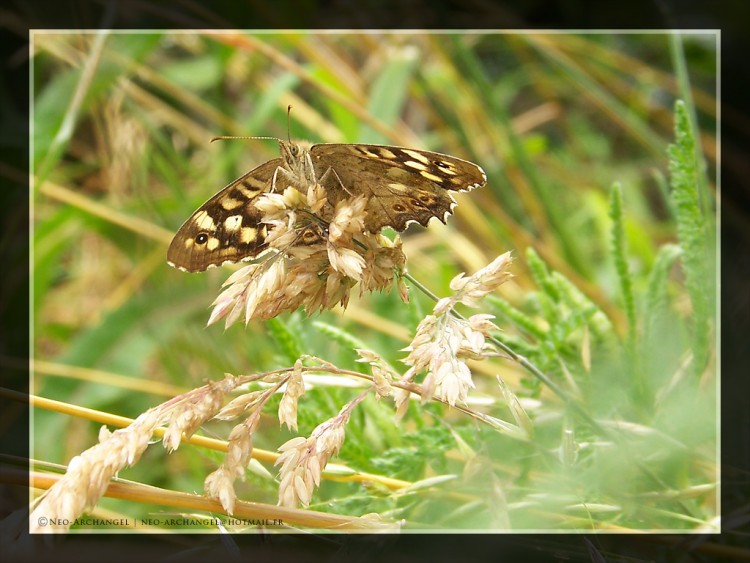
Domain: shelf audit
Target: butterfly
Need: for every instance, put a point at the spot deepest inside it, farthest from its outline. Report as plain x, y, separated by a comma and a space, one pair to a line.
403, 186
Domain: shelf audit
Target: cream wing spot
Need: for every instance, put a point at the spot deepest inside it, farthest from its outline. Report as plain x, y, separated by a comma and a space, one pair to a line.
248, 193
417, 165
398, 187
362, 150
398, 174
248, 235
385, 153
253, 183
430, 176
213, 243
233, 222
446, 167
416, 155
230, 203
204, 221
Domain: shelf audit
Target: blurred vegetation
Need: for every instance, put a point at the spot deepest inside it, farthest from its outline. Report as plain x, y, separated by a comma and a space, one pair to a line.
613, 232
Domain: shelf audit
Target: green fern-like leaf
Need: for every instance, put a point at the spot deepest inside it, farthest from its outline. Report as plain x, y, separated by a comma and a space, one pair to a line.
548, 295
287, 342
621, 263
580, 304
341, 336
693, 231
522, 321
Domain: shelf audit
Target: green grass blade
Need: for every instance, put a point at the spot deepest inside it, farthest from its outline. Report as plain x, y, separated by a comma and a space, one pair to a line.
656, 294
388, 93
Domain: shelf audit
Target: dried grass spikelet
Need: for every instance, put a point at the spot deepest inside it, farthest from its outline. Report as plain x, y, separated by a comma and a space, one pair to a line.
382, 373
88, 474
219, 484
302, 459
443, 341
194, 410
317, 253
125, 140
295, 388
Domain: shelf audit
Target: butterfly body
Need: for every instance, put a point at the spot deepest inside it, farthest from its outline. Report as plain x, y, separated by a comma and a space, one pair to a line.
402, 186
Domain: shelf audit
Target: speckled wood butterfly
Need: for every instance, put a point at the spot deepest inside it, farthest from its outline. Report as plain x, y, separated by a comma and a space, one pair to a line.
402, 186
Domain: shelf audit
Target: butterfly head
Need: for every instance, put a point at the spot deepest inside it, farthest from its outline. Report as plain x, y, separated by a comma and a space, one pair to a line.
297, 161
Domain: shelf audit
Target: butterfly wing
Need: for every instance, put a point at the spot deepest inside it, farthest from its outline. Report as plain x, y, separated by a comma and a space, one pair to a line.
403, 185
227, 228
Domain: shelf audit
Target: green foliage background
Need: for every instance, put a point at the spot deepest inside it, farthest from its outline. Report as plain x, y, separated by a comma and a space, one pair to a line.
613, 233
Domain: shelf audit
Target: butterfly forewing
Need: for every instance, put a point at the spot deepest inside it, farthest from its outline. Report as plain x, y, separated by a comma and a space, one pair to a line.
403, 185
225, 229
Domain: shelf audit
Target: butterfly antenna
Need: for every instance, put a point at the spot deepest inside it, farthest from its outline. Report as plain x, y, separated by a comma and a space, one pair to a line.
235, 137
288, 126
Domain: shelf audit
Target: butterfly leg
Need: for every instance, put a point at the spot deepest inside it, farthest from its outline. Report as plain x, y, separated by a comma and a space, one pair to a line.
328, 174
285, 175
